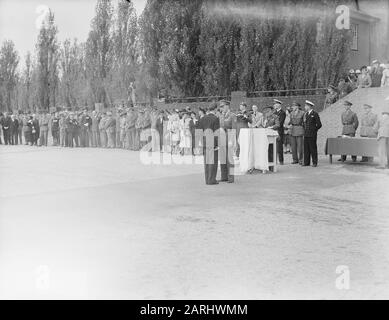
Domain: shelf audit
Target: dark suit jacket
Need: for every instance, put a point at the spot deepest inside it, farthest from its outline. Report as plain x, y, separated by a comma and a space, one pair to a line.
14, 126
6, 123
312, 124
210, 121
281, 118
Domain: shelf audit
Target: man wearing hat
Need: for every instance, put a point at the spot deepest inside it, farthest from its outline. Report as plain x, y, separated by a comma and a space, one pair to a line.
226, 143
281, 115
368, 121
312, 124
331, 97
297, 133
350, 125
382, 129
210, 124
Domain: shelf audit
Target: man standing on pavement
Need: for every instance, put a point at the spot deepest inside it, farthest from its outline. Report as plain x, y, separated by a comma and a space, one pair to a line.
210, 124
110, 127
86, 124
6, 125
312, 124
281, 119
14, 130
226, 144
297, 133
350, 125
44, 120
368, 121
95, 129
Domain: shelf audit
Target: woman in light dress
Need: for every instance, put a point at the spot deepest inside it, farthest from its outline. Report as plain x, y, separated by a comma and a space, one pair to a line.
185, 135
173, 128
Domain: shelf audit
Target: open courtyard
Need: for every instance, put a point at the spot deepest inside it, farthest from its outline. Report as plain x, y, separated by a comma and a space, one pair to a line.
97, 223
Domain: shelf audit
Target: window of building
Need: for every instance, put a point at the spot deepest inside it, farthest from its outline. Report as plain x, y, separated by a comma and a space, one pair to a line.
354, 42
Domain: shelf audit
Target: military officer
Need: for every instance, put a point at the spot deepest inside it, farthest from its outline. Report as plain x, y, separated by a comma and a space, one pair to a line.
281, 119
350, 125
55, 129
368, 121
226, 143
332, 96
312, 125
297, 133
110, 128
86, 124
210, 124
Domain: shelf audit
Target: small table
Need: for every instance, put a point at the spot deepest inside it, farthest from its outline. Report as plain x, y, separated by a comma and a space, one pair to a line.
254, 145
365, 147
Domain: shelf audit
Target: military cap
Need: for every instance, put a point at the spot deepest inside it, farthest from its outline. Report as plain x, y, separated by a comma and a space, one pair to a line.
351, 71
375, 61
296, 104
310, 103
358, 71
347, 103
277, 101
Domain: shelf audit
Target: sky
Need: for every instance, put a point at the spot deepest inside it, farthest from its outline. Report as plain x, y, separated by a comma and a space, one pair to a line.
18, 20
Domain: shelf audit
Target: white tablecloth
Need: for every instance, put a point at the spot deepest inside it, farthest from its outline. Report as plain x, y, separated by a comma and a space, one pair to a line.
254, 146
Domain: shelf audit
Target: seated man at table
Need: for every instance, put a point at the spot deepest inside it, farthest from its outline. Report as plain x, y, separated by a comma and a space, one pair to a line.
368, 121
350, 125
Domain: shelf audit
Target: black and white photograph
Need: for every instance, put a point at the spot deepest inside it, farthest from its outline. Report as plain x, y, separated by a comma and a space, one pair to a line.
163, 150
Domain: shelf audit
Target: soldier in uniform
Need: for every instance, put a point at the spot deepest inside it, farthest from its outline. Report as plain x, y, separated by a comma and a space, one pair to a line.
44, 120
312, 124
350, 125
210, 124
35, 130
281, 119
103, 132
86, 124
95, 129
130, 128
368, 121
14, 129
331, 97
297, 133
344, 88
110, 127
226, 143
55, 129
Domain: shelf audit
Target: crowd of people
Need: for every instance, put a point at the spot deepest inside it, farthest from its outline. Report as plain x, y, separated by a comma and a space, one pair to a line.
376, 75
176, 131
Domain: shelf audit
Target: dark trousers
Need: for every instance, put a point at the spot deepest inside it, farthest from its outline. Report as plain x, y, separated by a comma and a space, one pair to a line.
210, 165
226, 166
55, 134
7, 136
344, 157
280, 148
14, 137
69, 139
310, 150
296, 144
85, 138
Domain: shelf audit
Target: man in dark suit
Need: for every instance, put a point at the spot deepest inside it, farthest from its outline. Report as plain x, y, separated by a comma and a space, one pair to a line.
225, 143
312, 124
281, 119
242, 121
14, 129
35, 130
210, 124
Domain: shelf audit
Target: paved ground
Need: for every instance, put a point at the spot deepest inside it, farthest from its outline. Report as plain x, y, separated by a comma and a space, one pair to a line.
90, 223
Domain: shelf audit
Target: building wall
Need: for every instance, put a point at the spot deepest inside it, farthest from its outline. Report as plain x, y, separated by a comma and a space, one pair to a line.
362, 55
380, 31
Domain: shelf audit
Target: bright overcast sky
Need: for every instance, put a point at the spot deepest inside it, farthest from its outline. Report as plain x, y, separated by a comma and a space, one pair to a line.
73, 17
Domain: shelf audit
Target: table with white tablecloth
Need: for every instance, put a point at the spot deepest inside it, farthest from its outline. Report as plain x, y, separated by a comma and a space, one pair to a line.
254, 145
